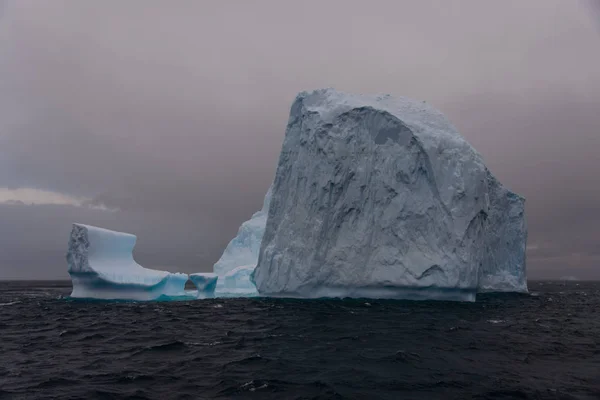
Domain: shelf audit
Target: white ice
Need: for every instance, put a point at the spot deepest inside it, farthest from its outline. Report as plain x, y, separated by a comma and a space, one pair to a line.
377, 196
241, 254
238, 280
101, 266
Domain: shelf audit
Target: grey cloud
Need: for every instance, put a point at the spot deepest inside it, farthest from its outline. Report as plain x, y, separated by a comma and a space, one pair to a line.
175, 113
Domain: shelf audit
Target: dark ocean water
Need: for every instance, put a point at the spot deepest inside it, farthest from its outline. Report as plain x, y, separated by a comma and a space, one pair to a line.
540, 346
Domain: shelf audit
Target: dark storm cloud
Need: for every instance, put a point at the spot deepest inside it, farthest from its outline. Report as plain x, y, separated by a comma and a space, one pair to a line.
174, 113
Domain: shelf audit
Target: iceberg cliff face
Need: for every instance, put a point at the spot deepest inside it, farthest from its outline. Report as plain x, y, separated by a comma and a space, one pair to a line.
242, 251
503, 268
376, 196
101, 266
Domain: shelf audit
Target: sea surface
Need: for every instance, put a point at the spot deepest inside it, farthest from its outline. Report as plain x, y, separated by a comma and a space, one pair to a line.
543, 345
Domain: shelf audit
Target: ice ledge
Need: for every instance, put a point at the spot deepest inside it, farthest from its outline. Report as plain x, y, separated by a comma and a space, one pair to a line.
91, 285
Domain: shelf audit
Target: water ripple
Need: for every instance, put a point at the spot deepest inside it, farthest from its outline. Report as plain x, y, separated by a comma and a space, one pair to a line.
544, 345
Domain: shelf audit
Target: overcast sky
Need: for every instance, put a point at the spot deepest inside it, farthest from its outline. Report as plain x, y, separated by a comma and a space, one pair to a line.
166, 118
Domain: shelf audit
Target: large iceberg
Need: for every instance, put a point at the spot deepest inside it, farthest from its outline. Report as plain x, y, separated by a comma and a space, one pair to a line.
241, 254
377, 196
101, 266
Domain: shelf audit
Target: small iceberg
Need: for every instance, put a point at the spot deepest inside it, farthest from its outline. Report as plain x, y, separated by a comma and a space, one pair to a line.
101, 266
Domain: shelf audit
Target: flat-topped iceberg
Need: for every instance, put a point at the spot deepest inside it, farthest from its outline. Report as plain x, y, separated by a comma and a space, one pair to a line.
377, 196
101, 266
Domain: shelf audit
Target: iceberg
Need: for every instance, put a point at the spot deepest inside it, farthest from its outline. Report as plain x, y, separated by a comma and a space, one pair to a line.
380, 196
205, 283
101, 266
238, 279
241, 254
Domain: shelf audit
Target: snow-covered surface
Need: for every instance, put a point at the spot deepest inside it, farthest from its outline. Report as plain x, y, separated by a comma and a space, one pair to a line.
101, 266
377, 196
242, 252
205, 283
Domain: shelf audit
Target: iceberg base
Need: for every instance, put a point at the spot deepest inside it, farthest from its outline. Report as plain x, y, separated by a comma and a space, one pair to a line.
382, 292
88, 285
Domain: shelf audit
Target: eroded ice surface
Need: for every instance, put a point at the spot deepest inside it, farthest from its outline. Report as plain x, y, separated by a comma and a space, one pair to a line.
238, 280
503, 268
241, 254
376, 196
205, 283
101, 266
